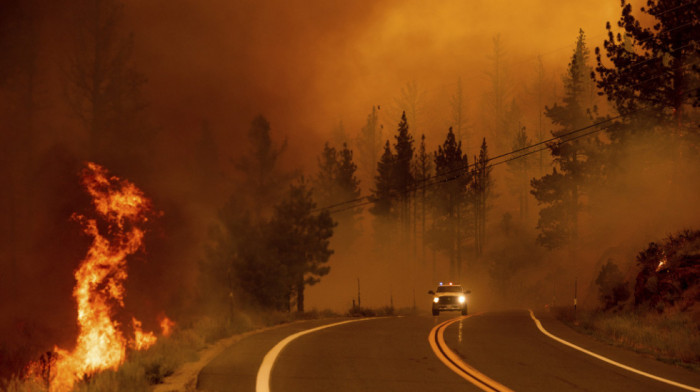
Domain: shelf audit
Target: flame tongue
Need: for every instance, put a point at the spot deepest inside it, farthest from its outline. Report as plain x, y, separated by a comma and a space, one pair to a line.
100, 278
142, 340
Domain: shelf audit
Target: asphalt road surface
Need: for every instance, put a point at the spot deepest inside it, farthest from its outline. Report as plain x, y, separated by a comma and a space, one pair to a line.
394, 354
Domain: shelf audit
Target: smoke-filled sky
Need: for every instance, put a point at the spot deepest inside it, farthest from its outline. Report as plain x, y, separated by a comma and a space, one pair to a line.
307, 65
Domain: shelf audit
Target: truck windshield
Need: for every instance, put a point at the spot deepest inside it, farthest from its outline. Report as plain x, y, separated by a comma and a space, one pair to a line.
449, 289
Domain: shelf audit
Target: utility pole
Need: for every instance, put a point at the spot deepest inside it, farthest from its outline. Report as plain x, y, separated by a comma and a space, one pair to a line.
575, 295
359, 303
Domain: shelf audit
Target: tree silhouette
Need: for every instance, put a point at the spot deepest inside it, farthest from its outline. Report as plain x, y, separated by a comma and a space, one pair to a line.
449, 200
519, 169
300, 240
260, 168
560, 191
422, 172
481, 187
104, 88
384, 194
336, 183
653, 68
369, 144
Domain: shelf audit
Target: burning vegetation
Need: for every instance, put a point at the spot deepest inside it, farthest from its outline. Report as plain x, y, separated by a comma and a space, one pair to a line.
116, 233
522, 185
670, 274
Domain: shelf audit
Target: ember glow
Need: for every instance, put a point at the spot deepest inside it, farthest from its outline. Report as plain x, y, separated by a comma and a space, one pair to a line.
99, 288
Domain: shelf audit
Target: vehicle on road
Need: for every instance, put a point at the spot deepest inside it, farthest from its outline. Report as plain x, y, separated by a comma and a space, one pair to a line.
449, 297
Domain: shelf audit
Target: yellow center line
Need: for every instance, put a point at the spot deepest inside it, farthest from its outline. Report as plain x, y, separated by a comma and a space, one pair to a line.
608, 360
456, 364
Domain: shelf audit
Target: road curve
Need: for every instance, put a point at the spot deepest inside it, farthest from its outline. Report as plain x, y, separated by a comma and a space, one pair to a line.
395, 354
383, 354
453, 361
508, 347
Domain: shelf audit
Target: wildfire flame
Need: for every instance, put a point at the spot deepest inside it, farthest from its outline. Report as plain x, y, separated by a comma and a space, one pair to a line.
166, 326
99, 288
142, 340
662, 264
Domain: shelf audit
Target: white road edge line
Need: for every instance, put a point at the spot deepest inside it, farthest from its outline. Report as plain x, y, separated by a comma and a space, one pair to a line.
610, 361
262, 382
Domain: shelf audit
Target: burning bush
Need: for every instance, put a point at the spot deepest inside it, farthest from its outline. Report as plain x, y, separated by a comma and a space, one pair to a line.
670, 274
116, 232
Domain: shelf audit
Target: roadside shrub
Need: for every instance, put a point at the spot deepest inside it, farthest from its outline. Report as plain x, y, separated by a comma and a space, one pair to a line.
670, 273
612, 287
357, 311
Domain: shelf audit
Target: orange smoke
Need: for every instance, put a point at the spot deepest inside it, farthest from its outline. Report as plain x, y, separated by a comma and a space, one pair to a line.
99, 288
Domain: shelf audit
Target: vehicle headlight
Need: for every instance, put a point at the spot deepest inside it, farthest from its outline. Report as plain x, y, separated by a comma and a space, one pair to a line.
462, 299
436, 299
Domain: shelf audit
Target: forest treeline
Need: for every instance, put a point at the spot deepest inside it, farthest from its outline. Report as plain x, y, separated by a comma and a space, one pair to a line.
440, 200
262, 231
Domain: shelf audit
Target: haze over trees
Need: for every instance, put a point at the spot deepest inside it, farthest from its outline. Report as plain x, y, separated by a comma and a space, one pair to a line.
104, 88
336, 184
450, 201
653, 75
221, 138
560, 191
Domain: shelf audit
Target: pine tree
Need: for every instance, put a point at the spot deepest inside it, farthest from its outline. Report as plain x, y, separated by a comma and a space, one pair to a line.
481, 191
325, 188
384, 194
404, 176
260, 168
449, 199
409, 104
404, 157
104, 88
560, 191
654, 69
422, 172
239, 264
336, 183
519, 169
300, 239
369, 145
348, 182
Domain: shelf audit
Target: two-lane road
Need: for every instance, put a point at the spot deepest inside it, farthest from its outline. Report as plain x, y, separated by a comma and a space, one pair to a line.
394, 354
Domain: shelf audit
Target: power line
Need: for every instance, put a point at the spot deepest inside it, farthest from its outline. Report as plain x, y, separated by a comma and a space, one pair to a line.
364, 200
464, 168
528, 150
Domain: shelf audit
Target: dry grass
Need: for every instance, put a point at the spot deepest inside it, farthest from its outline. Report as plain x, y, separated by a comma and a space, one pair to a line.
143, 369
669, 337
